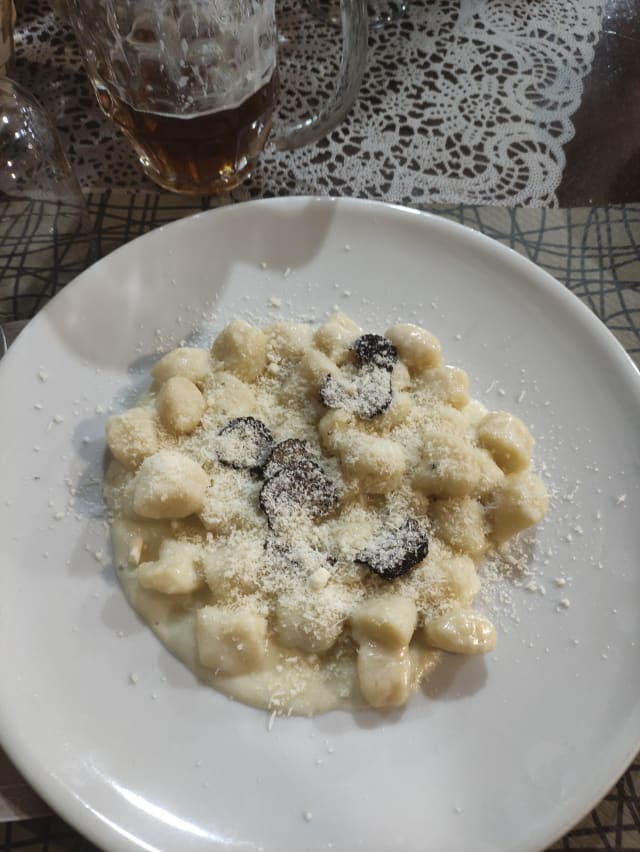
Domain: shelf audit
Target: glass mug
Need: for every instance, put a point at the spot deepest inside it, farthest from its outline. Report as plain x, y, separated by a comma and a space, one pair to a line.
192, 83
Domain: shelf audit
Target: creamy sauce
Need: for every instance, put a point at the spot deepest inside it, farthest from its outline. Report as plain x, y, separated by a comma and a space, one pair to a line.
291, 680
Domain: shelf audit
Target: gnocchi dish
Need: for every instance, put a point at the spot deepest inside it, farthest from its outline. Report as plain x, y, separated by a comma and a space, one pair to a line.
299, 513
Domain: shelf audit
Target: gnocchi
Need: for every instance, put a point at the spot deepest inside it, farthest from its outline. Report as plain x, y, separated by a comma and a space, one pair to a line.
132, 437
507, 439
300, 513
521, 503
376, 465
418, 349
384, 676
310, 625
187, 362
169, 485
176, 570
230, 641
335, 337
180, 405
461, 631
242, 349
388, 620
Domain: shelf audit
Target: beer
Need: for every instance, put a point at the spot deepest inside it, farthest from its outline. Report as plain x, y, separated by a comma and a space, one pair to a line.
203, 154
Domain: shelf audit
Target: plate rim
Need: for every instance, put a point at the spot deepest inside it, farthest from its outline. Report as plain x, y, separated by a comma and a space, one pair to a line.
433, 217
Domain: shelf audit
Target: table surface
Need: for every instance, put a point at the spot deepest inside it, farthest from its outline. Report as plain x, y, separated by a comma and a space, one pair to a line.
591, 246
603, 158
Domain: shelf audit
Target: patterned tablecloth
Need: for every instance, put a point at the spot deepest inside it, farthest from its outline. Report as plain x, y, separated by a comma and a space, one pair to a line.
465, 103
594, 252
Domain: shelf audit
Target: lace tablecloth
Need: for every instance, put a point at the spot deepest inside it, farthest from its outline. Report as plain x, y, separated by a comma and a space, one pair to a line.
464, 101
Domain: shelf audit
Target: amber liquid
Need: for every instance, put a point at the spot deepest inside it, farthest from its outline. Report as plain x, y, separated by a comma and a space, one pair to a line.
203, 155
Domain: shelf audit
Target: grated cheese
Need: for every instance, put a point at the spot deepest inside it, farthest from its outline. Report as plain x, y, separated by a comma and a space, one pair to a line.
288, 550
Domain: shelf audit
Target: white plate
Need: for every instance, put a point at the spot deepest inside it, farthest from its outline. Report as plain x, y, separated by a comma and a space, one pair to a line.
499, 753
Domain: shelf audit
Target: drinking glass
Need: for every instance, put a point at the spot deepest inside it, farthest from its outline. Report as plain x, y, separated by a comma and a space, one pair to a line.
45, 231
192, 83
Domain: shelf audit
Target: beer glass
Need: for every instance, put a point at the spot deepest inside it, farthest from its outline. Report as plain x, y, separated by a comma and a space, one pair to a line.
192, 83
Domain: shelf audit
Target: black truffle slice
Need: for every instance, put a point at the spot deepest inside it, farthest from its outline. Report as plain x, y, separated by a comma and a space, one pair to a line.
377, 350
285, 454
395, 550
244, 444
366, 393
298, 488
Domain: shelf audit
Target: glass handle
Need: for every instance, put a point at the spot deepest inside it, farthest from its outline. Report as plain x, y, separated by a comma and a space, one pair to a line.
353, 62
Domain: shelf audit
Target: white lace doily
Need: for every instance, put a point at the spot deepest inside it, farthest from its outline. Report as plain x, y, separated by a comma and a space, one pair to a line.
464, 101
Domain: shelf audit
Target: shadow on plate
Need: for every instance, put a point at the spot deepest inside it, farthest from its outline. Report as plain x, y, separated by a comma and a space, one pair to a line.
127, 293
456, 677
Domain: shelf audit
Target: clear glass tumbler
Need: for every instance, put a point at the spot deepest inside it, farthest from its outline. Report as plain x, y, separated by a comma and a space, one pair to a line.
45, 230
